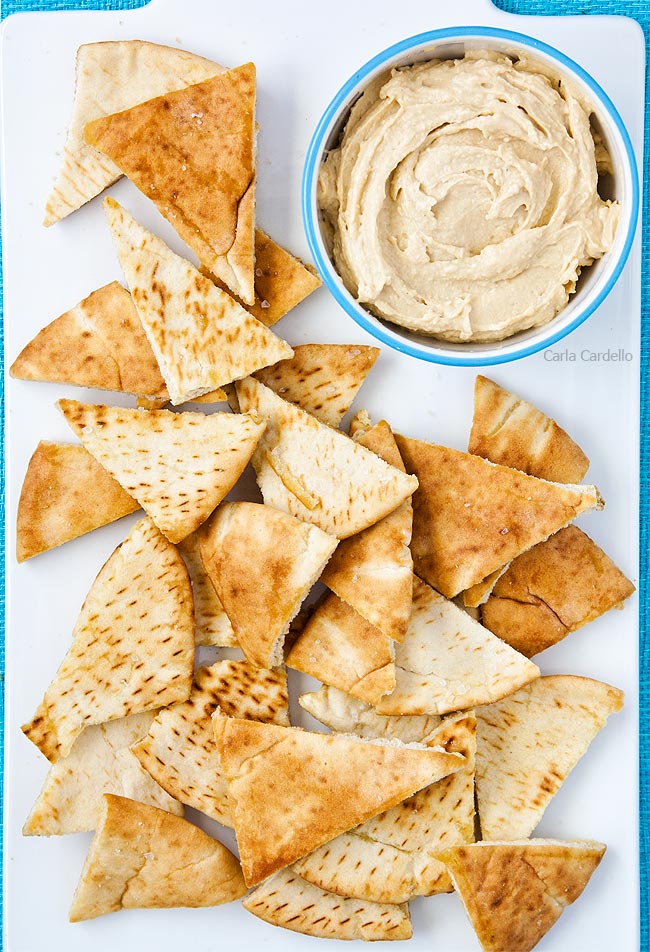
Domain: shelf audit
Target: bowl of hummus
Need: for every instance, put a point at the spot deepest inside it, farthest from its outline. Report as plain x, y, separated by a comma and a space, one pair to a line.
470, 196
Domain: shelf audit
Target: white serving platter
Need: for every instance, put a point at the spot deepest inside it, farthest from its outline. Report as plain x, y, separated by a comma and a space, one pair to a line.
303, 53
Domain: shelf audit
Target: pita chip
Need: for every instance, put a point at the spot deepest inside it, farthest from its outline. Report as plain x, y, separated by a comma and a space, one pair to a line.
201, 337
179, 751
552, 590
132, 648
315, 786
317, 473
528, 743
65, 494
512, 432
288, 901
449, 662
341, 648
192, 151
513, 893
471, 516
178, 466
99, 762
144, 858
478, 594
262, 564
212, 625
348, 715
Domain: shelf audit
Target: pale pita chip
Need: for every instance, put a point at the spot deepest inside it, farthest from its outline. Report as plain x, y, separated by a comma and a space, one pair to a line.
528, 743
211, 624
341, 648
478, 594
132, 648
449, 662
341, 712
99, 762
178, 466
288, 901
552, 590
514, 893
111, 77
317, 473
65, 494
315, 786
202, 337
471, 516
192, 151
179, 751
262, 564
145, 858
512, 432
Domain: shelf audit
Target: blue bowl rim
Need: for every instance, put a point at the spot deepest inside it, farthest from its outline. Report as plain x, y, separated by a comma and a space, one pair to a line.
312, 163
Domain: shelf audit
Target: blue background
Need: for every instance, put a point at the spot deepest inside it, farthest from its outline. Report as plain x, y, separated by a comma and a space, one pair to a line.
640, 10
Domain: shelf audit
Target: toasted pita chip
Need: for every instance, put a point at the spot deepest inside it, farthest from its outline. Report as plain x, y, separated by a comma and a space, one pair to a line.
550, 591
341, 648
145, 858
315, 786
178, 466
65, 494
193, 153
133, 644
509, 431
478, 594
341, 712
211, 624
179, 751
99, 762
262, 564
528, 743
201, 337
288, 901
471, 516
317, 473
514, 893
449, 662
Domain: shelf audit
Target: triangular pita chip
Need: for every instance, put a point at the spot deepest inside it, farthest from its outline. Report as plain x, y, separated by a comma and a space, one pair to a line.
201, 336
99, 762
390, 858
478, 594
100, 343
211, 624
65, 494
262, 564
471, 516
528, 743
193, 153
288, 901
512, 432
314, 785
317, 473
110, 77
514, 893
145, 858
178, 466
550, 591
449, 662
341, 648
132, 648
342, 712
179, 751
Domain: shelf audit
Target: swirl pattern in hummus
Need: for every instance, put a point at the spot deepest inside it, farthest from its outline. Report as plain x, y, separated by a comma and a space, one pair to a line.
462, 201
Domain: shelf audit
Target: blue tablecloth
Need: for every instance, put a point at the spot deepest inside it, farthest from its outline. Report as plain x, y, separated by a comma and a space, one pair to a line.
640, 10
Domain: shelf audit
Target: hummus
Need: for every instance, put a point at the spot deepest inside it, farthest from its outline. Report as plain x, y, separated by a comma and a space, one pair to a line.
462, 201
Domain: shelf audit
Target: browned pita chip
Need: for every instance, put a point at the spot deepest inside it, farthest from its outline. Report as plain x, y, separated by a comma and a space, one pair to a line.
478, 594
211, 624
142, 857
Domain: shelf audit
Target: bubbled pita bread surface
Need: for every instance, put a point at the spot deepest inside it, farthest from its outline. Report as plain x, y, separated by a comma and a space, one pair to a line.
315, 786
342, 712
211, 624
99, 762
448, 661
317, 473
179, 750
142, 857
514, 893
65, 494
201, 337
288, 901
178, 466
132, 648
